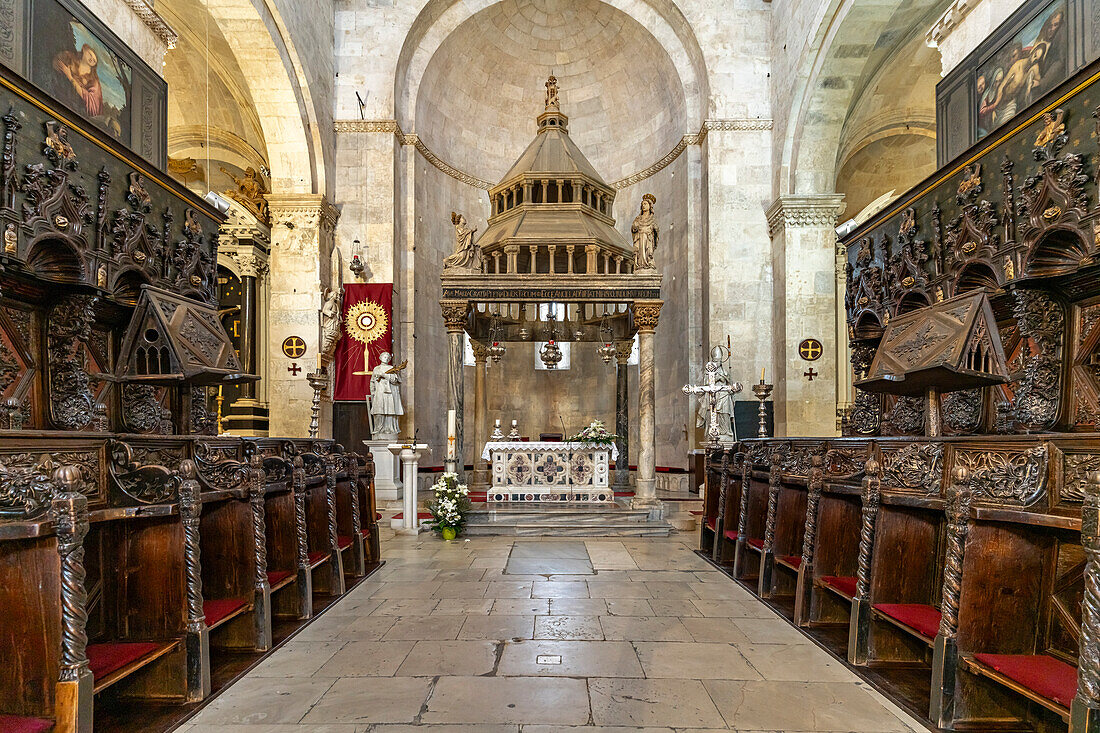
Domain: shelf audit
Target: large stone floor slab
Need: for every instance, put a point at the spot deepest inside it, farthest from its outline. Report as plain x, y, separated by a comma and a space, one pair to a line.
619, 635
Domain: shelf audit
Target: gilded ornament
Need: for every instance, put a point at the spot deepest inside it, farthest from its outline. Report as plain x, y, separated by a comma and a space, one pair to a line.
366, 322
1052, 213
60, 221
972, 180
1010, 269
1053, 126
11, 239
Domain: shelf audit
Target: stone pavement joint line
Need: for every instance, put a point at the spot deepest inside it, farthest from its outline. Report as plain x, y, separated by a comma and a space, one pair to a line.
652, 640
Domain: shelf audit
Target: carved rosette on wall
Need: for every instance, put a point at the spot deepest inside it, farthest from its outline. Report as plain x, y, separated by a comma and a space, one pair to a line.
916, 467
1016, 478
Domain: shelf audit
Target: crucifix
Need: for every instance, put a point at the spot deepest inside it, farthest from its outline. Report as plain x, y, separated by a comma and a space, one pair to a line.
711, 391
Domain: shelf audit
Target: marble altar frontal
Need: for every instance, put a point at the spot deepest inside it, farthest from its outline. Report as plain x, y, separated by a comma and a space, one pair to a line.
549, 471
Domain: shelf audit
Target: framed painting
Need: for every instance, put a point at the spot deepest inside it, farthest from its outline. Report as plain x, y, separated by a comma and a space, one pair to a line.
1024, 68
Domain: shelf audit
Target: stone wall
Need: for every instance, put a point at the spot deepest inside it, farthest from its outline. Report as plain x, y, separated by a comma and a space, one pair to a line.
139, 26
964, 25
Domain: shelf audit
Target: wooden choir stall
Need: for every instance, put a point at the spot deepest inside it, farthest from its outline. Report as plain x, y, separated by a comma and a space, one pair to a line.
145, 562
947, 546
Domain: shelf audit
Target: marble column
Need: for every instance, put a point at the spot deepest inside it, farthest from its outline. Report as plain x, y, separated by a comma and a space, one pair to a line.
646, 314
480, 478
302, 239
803, 232
455, 314
622, 414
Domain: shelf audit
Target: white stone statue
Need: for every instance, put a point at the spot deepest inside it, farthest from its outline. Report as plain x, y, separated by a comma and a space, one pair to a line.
723, 401
385, 400
331, 308
467, 255
646, 231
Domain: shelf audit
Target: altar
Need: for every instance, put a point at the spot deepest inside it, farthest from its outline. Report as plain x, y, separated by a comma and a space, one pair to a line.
549, 471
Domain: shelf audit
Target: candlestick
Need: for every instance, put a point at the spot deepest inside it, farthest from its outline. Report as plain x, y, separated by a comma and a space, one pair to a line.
762, 391
761, 375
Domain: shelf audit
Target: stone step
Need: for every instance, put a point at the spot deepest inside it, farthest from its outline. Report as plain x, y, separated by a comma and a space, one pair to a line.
625, 529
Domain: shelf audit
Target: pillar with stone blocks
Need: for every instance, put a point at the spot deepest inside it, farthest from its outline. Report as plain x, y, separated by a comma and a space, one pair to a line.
302, 227
803, 232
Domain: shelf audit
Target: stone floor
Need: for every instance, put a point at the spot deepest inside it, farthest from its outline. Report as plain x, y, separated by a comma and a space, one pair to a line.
496, 635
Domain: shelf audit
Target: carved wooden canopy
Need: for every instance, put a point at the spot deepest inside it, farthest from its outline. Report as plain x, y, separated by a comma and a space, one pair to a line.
948, 346
171, 338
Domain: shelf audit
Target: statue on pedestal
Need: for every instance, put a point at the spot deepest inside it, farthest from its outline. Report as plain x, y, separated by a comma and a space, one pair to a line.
467, 255
331, 307
646, 232
385, 402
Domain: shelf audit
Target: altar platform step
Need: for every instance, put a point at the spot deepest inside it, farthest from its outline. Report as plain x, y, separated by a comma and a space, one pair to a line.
555, 519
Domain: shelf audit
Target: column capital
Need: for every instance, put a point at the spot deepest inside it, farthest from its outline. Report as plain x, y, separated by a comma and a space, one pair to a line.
623, 350
251, 264
455, 314
807, 211
646, 314
481, 351
307, 210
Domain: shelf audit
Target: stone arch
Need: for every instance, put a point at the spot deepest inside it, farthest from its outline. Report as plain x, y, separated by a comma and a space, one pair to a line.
439, 18
288, 116
852, 38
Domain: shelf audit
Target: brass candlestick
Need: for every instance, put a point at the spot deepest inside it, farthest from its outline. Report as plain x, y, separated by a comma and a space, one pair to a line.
219, 401
762, 392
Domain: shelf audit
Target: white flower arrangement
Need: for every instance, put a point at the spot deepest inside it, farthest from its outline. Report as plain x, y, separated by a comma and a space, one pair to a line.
451, 503
595, 434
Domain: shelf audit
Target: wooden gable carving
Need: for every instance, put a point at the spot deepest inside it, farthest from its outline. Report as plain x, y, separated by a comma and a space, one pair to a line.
948, 346
171, 338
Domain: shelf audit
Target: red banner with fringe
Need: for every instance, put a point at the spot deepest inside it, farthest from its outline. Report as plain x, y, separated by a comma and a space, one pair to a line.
367, 326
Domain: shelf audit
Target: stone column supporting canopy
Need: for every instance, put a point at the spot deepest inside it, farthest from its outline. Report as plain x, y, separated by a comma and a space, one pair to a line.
455, 316
481, 410
646, 315
622, 413
302, 227
803, 232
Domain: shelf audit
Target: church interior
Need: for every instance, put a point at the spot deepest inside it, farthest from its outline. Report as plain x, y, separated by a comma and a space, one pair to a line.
529, 366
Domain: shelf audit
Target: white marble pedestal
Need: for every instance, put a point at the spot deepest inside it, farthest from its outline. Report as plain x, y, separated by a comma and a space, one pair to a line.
409, 454
387, 475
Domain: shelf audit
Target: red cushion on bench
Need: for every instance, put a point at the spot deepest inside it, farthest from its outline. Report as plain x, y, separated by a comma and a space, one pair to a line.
795, 561
696, 513
275, 577
731, 534
316, 557
844, 584
419, 515
343, 541
19, 724
922, 618
758, 544
111, 657
1047, 676
219, 609
364, 533
711, 523
378, 516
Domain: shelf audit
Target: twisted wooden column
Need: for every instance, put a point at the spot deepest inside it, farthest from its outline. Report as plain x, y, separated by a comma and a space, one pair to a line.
767, 554
804, 585
69, 513
742, 515
359, 555
261, 610
1085, 710
305, 573
860, 622
724, 474
197, 637
945, 652
337, 563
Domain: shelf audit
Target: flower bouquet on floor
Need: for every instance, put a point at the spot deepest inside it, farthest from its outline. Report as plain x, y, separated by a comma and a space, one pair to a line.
595, 435
449, 507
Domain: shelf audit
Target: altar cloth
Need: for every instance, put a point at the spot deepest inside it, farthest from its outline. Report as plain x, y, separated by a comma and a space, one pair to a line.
523, 445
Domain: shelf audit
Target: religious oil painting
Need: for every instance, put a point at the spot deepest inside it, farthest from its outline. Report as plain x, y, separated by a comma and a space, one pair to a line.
1025, 68
74, 65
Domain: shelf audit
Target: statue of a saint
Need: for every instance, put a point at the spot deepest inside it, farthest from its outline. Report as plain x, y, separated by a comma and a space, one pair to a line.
467, 255
385, 399
250, 192
723, 404
331, 308
552, 92
645, 231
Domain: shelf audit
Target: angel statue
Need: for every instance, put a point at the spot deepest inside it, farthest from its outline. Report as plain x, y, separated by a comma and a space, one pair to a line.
331, 308
645, 231
385, 398
467, 255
